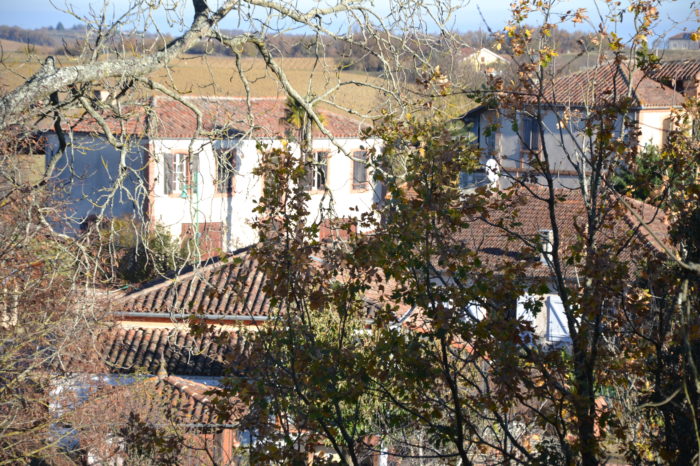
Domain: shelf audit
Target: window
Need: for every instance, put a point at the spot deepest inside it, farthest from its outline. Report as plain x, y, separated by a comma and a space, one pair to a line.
226, 170
316, 171
359, 170
530, 135
471, 180
179, 171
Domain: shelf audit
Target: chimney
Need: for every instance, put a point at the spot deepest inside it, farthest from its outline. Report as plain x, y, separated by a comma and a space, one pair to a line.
546, 245
163, 369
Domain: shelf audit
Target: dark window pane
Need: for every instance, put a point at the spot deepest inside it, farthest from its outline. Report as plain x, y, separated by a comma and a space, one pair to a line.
226, 167
359, 169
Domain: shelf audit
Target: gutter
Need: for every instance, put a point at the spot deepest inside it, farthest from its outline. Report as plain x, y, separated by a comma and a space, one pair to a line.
184, 316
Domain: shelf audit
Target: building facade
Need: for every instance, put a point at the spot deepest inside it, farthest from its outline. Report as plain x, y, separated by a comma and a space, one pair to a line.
560, 126
196, 177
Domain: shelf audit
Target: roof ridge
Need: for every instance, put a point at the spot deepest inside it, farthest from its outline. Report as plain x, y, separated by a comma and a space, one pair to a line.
186, 386
243, 99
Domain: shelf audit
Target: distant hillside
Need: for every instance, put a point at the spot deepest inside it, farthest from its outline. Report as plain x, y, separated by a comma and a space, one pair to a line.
51, 38
14, 46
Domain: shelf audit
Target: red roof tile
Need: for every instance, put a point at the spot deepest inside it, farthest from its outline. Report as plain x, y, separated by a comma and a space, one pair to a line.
126, 351
498, 236
231, 288
166, 118
676, 69
610, 83
165, 400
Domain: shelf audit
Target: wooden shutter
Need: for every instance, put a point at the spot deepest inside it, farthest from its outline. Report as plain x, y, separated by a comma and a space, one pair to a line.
322, 160
531, 136
169, 173
308, 182
194, 173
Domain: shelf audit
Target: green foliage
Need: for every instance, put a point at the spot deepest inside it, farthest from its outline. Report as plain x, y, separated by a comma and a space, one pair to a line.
643, 176
149, 444
146, 255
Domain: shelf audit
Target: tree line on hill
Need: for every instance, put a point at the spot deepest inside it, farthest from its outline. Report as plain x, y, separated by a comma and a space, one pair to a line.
69, 41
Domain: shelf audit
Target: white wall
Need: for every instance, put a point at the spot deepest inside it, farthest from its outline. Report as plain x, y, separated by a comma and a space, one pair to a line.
651, 125
236, 211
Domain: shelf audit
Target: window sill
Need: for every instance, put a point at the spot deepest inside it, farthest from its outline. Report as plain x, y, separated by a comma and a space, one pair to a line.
316, 191
360, 188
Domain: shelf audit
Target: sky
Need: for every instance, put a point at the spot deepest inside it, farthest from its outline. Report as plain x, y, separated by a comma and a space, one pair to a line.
675, 15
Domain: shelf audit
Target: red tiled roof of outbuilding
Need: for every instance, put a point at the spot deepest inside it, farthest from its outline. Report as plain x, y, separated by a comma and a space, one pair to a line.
127, 351
170, 399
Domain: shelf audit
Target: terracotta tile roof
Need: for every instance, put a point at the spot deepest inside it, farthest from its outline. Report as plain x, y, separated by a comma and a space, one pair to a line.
132, 121
175, 120
610, 83
166, 118
127, 351
161, 401
189, 401
226, 289
680, 36
524, 215
676, 69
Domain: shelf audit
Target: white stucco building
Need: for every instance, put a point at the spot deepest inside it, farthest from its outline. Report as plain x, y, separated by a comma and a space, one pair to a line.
189, 179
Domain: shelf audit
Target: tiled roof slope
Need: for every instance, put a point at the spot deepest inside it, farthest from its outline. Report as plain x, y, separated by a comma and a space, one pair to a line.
525, 215
230, 290
233, 288
166, 118
610, 83
126, 351
172, 119
165, 400
189, 401
131, 121
676, 69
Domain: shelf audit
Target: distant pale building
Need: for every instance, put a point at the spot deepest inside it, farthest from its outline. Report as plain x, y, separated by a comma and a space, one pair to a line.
516, 139
683, 41
481, 58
